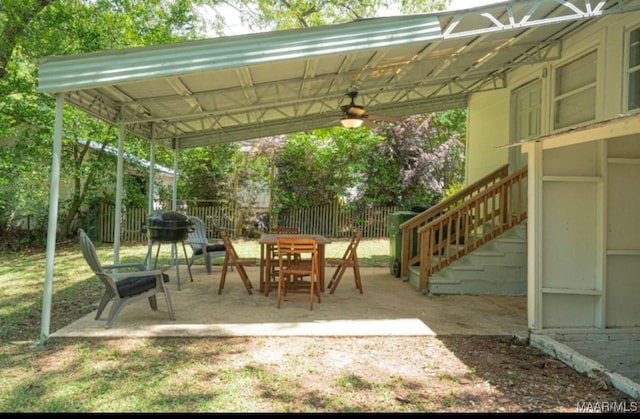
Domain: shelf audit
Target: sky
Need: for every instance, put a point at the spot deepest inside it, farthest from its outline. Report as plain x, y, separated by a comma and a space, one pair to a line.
466, 4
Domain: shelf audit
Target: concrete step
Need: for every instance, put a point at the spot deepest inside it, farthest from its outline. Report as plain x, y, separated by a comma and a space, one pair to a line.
477, 287
511, 245
475, 280
494, 258
498, 267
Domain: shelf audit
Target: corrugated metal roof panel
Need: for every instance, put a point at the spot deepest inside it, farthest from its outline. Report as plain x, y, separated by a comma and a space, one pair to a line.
59, 74
248, 86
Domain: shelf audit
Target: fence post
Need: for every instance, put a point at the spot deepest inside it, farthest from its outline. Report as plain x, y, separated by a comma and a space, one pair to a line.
327, 220
239, 221
100, 222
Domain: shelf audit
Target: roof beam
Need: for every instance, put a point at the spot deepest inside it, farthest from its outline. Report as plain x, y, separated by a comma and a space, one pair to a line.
569, 11
288, 125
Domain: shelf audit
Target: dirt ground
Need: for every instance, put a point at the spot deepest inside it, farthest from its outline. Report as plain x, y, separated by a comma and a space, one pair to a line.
265, 374
461, 374
465, 357
445, 374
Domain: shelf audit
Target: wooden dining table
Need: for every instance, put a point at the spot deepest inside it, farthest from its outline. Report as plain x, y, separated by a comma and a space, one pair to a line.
268, 240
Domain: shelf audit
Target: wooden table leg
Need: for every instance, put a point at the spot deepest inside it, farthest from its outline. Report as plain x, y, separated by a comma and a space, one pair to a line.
262, 268
321, 267
267, 268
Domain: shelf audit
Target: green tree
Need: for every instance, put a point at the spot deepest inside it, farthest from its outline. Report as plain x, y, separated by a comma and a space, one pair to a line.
277, 14
418, 160
206, 173
31, 30
318, 167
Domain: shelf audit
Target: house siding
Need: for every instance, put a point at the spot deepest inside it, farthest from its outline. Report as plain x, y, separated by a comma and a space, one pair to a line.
584, 253
488, 127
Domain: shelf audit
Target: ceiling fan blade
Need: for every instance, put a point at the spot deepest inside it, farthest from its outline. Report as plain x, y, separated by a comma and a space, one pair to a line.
387, 118
355, 110
368, 124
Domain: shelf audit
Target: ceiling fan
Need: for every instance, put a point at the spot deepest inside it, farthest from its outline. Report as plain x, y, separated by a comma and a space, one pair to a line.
356, 115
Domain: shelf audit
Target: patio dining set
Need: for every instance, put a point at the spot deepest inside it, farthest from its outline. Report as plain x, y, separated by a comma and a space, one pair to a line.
291, 264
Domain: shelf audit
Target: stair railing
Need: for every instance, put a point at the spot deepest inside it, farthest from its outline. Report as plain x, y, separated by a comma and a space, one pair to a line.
411, 246
472, 224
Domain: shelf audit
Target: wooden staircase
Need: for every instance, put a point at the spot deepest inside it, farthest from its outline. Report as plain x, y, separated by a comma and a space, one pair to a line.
498, 267
461, 224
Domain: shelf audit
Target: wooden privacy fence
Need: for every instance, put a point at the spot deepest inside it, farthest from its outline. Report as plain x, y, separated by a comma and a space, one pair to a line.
333, 220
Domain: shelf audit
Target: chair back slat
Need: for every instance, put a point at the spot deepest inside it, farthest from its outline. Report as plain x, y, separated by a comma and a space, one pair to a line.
297, 245
89, 252
231, 258
229, 246
198, 236
293, 267
348, 260
352, 249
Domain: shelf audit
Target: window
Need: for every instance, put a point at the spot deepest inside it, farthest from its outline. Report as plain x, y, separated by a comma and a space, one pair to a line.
633, 71
527, 103
575, 92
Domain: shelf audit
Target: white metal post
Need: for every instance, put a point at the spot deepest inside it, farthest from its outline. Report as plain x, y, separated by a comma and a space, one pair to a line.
52, 227
119, 181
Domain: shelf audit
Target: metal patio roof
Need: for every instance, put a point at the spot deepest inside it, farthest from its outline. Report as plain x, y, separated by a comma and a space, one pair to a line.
243, 87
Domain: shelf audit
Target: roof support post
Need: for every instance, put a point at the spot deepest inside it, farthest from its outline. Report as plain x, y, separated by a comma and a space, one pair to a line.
534, 236
119, 182
151, 188
54, 192
175, 175
152, 173
174, 201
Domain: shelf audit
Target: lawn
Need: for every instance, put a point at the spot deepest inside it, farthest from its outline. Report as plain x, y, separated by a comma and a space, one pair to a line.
87, 375
75, 290
414, 374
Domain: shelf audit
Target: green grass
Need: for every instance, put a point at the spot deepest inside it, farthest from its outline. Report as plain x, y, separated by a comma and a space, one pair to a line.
371, 252
75, 289
238, 374
137, 375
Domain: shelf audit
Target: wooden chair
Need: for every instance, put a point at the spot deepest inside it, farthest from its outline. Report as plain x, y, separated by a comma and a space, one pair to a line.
202, 246
297, 258
271, 280
272, 276
231, 259
348, 260
122, 285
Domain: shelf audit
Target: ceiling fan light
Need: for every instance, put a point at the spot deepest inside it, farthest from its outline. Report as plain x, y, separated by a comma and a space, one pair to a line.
351, 122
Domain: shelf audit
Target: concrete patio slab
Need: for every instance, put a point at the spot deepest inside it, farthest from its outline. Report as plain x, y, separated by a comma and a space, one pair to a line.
388, 307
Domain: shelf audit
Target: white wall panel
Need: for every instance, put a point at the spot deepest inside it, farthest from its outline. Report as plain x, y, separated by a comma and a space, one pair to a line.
623, 206
488, 126
570, 235
568, 311
623, 291
577, 160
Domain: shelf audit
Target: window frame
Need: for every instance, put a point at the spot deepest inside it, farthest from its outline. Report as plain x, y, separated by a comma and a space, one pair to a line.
628, 71
556, 99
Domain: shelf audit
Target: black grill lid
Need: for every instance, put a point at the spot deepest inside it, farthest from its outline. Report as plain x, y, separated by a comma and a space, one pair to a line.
168, 219
168, 226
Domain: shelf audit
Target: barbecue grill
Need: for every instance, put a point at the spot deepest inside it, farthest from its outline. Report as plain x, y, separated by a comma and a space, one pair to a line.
169, 227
